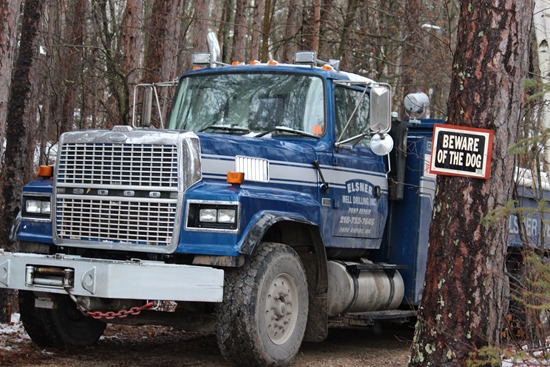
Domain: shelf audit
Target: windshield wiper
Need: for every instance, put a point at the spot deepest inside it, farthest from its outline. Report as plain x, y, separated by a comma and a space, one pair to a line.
228, 128
289, 130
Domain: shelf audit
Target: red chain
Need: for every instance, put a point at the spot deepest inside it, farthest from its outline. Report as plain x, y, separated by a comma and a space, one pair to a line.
109, 315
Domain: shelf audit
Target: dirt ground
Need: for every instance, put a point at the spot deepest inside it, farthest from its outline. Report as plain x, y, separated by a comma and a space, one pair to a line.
123, 346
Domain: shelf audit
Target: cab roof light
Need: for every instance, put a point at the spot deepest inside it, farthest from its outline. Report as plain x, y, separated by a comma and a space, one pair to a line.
272, 63
45, 171
237, 63
201, 58
235, 178
310, 58
305, 57
255, 62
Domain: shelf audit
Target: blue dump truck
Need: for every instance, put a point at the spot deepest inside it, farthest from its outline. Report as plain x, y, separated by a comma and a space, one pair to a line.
275, 201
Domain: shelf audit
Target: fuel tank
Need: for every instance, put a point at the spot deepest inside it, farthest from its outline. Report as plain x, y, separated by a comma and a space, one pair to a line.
362, 287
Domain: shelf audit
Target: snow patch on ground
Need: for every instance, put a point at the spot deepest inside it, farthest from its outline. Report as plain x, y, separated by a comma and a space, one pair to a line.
12, 334
527, 358
524, 363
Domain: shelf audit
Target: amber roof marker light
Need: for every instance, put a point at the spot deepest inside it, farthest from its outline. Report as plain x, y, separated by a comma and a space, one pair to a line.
44, 171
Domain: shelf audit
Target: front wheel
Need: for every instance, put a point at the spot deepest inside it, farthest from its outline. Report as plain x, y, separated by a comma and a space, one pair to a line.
62, 325
262, 319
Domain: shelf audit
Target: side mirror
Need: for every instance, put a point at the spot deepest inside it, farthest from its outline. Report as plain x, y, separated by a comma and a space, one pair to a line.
381, 144
380, 108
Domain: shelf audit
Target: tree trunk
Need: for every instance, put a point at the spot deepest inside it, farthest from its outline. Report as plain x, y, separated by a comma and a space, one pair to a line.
412, 47
105, 17
9, 13
259, 11
162, 49
131, 41
73, 63
292, 28
159, 25
463, 300
347, 29
327, 30
268, 9
225, 29
200, 29
316, 25
17, 155
238, 49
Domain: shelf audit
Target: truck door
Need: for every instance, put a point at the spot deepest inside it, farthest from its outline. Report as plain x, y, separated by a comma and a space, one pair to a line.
359, 190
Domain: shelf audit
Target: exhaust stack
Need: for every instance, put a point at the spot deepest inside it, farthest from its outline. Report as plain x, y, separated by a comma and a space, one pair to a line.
214, 49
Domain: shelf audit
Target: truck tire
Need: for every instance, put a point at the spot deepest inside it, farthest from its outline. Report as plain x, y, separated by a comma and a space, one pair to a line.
262, 319
64, 325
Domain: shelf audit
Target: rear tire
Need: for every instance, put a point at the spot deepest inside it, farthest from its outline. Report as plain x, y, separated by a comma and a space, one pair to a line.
262, 319
64, 325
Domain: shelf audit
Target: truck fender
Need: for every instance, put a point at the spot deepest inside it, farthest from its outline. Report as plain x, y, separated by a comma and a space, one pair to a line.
315, 263
260, 225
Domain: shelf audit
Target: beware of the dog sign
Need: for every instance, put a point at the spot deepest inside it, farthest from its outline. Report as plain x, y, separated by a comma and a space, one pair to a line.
461, 151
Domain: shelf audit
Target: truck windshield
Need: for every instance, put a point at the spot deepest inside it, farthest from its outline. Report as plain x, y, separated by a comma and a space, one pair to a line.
250, 103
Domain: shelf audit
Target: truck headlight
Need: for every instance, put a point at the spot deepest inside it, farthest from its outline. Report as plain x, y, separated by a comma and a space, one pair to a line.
227, 215
36, 207
207, 215
212, 215
217, 215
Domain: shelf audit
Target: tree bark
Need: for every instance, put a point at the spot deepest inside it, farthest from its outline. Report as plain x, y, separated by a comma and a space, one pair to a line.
268, 9
73, 63
463, 300
225, 29
162, 49
131, 41
200, 29
347, 29
238, 49
9, 13
17, 153
292, 28
316, 25
327, 30
412, 47
105, 17
159, 28
259, 11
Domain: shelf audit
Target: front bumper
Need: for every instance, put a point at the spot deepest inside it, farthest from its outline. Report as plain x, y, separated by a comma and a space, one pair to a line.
135, 279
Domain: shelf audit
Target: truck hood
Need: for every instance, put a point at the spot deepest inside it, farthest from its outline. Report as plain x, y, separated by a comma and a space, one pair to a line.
256, 157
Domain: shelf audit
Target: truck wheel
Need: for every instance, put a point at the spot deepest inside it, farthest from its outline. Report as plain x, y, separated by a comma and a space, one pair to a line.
262, 319
64, 325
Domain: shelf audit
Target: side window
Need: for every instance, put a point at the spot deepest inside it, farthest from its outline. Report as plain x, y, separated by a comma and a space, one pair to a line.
352, 105
314, 114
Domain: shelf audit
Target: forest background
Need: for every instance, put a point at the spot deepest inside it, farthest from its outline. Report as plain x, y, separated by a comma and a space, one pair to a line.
89, 54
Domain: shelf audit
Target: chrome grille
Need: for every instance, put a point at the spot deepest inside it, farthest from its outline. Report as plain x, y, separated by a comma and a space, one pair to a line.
123, 195
138, 223
118, 164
